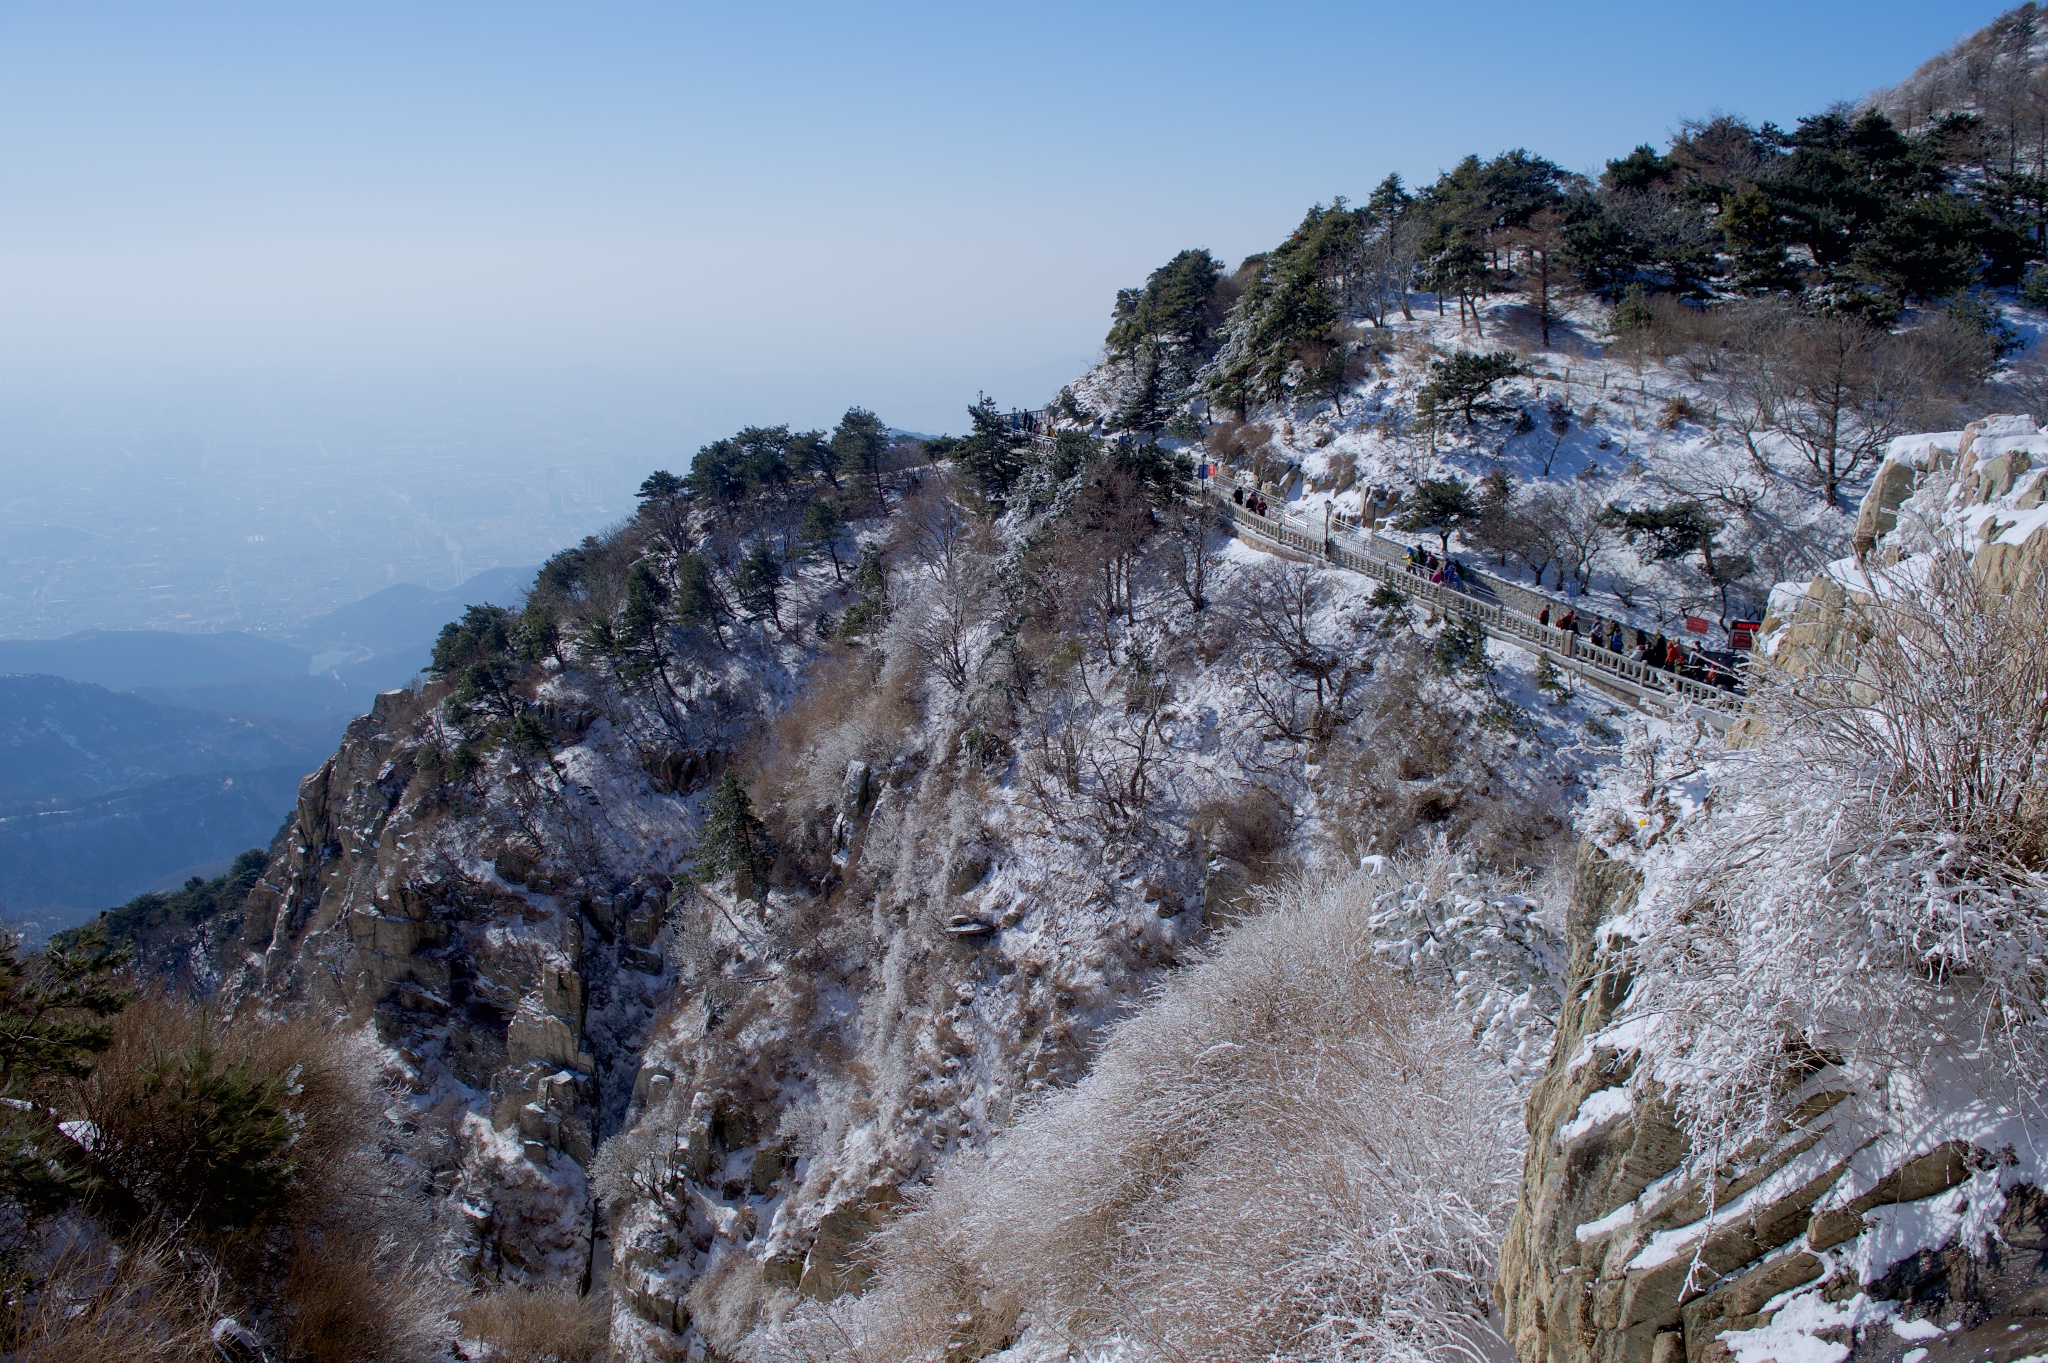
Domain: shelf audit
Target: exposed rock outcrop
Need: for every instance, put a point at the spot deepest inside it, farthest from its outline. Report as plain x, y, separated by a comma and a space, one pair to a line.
1618, 1254
1986, 482
514, 992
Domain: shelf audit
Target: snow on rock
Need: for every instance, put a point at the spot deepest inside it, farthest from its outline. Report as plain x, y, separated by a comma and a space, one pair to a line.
1598, 1112
1739, 1201
1807, 1329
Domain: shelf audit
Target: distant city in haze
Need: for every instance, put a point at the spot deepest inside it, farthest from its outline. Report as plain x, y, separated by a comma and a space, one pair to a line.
242, 503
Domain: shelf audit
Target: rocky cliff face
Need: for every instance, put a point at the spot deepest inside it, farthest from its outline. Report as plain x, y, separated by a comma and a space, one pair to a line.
1863, 1230
514, 992
624, 1073
1984, 486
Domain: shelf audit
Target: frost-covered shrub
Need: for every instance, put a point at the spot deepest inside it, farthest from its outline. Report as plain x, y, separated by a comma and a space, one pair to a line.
536, 1325
1497, 944
1863, 885
1294, 1152
100, 1300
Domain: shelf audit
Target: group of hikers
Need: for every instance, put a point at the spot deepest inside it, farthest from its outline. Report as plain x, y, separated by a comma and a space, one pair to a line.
1668, 655
1653, 649
1445, 572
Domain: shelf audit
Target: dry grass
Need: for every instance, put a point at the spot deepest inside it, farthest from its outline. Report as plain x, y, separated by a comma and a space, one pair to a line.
1676, 412
135, 1305
1249, 827
855, 707
726, 1303
348, 1298
1234, 440
312, 1259
1291, 1154
537, 1325
149, 1140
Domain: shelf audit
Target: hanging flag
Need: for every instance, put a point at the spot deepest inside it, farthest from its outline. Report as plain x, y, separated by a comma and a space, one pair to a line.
1696, 625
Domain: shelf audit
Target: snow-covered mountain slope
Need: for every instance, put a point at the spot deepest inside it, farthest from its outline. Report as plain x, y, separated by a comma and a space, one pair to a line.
1589, 423
1026, 790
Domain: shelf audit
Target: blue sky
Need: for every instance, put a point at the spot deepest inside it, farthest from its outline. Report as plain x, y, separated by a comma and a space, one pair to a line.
752, 212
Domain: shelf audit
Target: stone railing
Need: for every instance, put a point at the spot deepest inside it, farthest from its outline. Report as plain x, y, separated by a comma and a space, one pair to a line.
1483, 602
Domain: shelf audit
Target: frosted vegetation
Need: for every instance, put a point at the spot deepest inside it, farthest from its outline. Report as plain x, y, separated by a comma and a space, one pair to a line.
1305, 1147
1862, 884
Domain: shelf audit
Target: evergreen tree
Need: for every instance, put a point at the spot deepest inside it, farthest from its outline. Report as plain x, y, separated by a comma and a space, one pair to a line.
1598, 248
1632, 321
478, 655
1684, 527
735, 842
1925, 248
665, 504
54, 1008
537, 636
871, 580
822, 526
1757, 236
993, 455
1460, 648
1438, 507
759, 582
696, 602
810, 452
742, 464
642, 621
1177, 308
1641, 169
859, 442
1465, 381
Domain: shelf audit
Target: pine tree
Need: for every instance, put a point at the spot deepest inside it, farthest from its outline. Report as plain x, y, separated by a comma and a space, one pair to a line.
759, 580
53, 1020
735, 842
871, 579
1465, 381
665, 504
859, 442
1438, 507
822, 526
697, 601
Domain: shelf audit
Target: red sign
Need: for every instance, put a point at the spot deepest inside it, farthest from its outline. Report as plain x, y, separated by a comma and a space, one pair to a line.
1695, 625
1743, 633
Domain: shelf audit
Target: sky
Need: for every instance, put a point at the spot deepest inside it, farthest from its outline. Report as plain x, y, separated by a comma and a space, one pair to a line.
429, 221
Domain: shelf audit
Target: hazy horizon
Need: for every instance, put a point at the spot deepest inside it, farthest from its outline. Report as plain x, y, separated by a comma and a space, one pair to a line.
407, 294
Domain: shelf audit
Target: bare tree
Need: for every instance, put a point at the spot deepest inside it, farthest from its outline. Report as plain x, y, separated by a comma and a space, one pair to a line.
1110, 524
1389, 266
1299, 679
1853, 388
1835, 389
1533, 532
1184, 551
949, 589
1574, 515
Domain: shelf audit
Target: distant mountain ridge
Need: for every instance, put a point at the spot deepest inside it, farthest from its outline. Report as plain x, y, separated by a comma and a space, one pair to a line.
66, 738
122, 660
128, 757
61, 865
